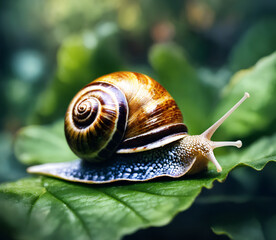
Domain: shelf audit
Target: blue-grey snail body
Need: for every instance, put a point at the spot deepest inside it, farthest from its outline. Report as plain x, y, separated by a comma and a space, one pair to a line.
126, 126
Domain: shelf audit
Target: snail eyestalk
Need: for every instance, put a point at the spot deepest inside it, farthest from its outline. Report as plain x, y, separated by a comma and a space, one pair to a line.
211, 130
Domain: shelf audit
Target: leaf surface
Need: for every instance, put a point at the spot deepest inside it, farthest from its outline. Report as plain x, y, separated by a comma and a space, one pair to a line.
50, 208
42, 144
258, 113
252, 220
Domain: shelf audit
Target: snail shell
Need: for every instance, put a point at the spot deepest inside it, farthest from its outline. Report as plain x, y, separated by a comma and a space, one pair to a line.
126, 126
123, 112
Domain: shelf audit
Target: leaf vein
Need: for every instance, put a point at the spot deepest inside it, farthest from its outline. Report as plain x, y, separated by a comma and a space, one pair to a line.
82, 222
35, 201
113, 197
162, 195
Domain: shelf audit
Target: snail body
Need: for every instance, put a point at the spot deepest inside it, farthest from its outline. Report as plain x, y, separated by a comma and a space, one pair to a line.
126, 126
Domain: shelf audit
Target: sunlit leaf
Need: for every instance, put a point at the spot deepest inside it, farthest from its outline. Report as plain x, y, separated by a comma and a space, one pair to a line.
36, 144
258, 112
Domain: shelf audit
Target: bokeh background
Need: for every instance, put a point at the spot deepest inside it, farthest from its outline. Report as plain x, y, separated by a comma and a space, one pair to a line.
50, 49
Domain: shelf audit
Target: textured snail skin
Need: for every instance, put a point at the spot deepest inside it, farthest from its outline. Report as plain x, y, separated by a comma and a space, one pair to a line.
173, 160
122, 111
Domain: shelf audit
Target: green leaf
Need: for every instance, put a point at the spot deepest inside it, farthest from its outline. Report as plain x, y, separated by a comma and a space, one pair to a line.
252, 220
36, 144
182, 81
50, 208
241, 229
10, 168
256, 43
258, 112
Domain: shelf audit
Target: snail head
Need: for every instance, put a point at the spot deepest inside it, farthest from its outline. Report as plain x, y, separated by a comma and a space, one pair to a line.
202, 146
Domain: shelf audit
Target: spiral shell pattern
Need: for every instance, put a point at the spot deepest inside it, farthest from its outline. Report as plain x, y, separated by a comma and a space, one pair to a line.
121, 112
96, 120
154, 117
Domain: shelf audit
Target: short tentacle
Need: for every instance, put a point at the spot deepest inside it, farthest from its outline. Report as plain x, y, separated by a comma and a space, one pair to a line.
218, 144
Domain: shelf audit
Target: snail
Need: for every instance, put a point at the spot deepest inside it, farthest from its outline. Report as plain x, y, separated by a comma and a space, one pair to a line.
126, 126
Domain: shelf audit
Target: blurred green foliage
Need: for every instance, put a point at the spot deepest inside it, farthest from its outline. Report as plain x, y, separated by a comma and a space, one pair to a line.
173, 69
117, 35
205, 52
80, 58
259, 113
257, 42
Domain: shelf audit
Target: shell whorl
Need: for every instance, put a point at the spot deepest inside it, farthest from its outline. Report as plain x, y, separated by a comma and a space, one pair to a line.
121, 112
96, 120
154, 117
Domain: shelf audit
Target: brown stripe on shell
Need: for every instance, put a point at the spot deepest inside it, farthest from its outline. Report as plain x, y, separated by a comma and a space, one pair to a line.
153, 136
89, 138
150, 105
120, 131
